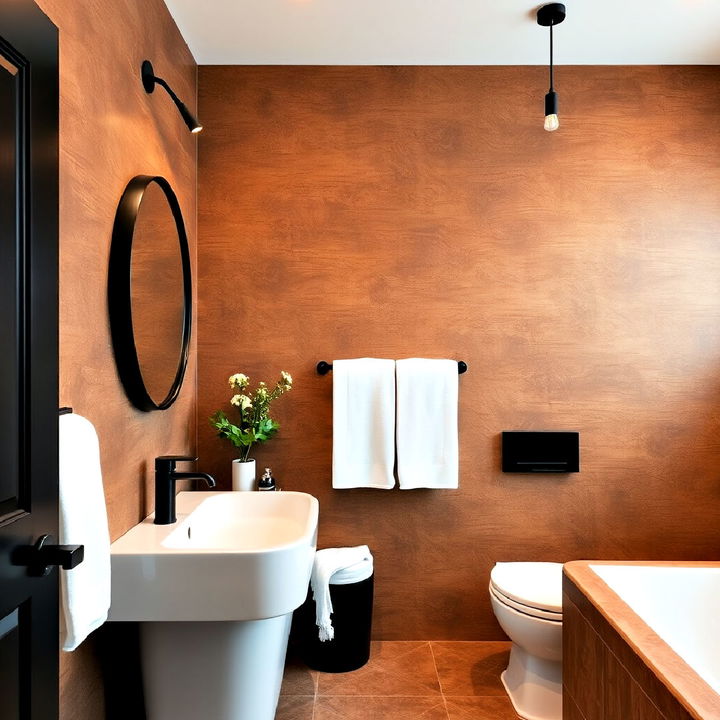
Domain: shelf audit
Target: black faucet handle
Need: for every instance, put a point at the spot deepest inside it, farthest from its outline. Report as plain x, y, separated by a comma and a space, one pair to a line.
166, 463
177, 458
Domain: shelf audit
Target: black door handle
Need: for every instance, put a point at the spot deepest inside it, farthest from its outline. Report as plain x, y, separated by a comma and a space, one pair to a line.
41, 556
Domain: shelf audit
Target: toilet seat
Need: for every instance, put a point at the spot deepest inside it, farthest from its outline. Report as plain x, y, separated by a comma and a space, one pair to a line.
525, 609
530, 587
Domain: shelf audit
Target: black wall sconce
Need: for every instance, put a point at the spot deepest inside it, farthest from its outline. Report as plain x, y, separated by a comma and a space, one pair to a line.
549, 16
149, 80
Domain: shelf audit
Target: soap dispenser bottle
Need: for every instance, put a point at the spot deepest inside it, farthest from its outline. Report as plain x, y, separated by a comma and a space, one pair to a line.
267, 481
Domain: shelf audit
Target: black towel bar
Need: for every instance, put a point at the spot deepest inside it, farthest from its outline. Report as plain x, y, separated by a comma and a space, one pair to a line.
323, 368
65, 411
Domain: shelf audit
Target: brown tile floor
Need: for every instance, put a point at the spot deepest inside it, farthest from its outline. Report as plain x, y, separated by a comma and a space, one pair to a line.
404, 681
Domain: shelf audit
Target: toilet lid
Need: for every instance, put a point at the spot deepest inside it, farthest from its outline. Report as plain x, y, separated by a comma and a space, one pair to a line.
524, 609
535, 584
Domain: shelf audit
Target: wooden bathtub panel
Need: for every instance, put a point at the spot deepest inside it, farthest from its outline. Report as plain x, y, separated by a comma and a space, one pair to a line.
585, 656
614, 644
571, 710
623, 697
631, 689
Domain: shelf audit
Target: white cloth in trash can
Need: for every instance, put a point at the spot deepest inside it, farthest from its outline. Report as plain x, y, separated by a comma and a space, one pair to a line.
339, 566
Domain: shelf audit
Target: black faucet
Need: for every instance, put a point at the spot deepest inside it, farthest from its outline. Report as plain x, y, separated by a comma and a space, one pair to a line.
165, 477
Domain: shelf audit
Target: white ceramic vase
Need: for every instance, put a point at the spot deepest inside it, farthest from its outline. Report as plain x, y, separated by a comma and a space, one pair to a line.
243, 475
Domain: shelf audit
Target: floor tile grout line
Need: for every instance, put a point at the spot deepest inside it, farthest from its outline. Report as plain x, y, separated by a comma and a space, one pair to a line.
379, 695
316, 686
437, 674
406, 696
448, 698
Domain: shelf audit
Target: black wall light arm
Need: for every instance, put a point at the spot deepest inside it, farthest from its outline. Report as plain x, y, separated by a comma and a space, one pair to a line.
149, 80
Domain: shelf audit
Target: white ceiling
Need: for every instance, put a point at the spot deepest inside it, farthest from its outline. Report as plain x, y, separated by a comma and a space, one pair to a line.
447, 32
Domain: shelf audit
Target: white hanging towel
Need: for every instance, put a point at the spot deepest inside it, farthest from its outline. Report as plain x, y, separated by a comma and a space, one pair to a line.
84, 590
355, 564
363, 423
427, 423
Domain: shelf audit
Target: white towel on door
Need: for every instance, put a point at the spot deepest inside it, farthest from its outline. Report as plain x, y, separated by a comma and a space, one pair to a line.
84, 590
363, 423
427, 423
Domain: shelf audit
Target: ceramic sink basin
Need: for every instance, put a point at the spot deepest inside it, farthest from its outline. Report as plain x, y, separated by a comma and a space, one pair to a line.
229, 556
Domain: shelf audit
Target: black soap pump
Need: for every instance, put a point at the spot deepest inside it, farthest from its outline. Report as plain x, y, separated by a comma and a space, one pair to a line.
267, 481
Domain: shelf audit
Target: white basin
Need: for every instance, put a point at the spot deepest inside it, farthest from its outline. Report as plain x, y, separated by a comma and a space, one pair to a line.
230, 556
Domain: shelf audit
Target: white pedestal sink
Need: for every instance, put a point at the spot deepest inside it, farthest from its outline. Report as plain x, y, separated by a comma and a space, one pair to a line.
214, 593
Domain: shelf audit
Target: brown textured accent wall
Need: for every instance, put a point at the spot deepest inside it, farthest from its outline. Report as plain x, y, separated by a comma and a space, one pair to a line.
398, 212
110, 130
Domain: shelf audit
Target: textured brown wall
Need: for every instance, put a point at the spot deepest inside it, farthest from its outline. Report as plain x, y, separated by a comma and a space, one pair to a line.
110, 130
399, 212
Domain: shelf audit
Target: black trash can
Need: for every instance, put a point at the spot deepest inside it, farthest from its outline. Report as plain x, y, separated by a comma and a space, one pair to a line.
352, 621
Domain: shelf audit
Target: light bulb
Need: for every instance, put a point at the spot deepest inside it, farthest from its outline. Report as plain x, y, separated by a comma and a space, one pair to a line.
551, 122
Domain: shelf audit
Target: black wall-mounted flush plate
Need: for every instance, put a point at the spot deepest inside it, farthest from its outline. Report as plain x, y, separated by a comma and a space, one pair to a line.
550, 451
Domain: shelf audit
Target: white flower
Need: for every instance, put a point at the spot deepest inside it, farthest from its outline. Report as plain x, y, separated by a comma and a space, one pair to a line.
239, 380
285, 380
241, 401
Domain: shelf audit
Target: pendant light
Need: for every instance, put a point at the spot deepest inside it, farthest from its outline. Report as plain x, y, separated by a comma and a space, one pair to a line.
549, 16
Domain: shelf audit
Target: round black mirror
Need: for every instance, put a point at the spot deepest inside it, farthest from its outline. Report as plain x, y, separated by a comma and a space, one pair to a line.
150, 293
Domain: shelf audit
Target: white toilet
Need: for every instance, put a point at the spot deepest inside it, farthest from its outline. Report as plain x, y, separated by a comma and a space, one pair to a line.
527, 601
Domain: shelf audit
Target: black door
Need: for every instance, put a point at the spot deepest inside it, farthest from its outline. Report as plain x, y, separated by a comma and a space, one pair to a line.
28, 357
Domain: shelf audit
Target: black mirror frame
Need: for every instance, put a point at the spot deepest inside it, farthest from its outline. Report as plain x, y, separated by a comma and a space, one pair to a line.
120, 299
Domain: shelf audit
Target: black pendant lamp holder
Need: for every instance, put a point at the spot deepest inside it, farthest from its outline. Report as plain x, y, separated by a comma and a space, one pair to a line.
551, 14
548, 16
150, 79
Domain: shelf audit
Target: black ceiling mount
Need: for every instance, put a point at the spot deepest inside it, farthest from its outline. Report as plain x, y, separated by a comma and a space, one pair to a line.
551, 14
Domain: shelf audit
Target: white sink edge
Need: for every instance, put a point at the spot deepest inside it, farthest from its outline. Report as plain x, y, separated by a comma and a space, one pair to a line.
138, 539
